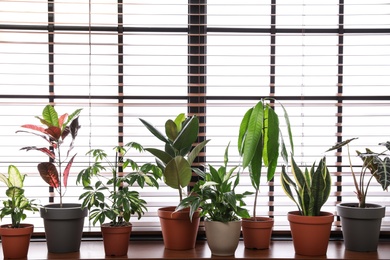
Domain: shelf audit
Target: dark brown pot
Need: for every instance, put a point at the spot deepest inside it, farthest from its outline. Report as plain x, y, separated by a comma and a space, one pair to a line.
257, 232
179, 233
116, 239
310, 234
16, 241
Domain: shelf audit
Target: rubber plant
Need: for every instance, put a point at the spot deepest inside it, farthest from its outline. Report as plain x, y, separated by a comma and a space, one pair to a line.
178, 155
375, 165
17, 202
110, 195
260, 142
54, 130
312, 187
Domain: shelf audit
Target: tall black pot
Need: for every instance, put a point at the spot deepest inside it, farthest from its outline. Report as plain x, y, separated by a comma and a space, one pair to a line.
63, 226
361, 226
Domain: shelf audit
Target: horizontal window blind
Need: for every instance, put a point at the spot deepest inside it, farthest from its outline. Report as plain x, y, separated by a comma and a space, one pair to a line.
327, 62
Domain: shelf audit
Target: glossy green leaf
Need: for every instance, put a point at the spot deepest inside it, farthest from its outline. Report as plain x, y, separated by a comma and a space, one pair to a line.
178, 173
188, 135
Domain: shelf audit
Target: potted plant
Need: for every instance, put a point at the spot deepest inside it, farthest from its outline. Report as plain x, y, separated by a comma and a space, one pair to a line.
221, 206
259, 142
15, 237
63, 222
175, 160
361, 221
310, 227
111, 197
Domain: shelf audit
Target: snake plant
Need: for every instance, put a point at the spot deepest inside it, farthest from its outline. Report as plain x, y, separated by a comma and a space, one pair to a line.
312, 187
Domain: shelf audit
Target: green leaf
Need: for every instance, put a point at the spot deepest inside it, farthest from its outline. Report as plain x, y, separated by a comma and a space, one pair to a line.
50, 115
14, 177
253, 134
163, 156
243, 130
171, 130
195, 152
179, 120
188, 135
154, 131
178, 173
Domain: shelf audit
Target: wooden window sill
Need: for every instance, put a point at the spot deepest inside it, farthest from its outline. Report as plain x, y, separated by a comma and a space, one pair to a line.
155, 250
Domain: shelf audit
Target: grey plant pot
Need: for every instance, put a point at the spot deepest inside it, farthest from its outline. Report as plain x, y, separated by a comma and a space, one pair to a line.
361, 226
222, 237
63, 226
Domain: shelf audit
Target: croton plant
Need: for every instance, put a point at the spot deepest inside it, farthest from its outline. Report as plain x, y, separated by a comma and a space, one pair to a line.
54, 130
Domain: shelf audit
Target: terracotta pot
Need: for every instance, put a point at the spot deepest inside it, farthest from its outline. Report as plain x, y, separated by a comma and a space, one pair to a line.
257, 232
16, 241
223, 237
310, 234
116, 239
179, 233
361, 226
63, 226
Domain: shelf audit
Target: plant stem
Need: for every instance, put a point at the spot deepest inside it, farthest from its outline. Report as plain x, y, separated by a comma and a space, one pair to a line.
353, 175
255, 203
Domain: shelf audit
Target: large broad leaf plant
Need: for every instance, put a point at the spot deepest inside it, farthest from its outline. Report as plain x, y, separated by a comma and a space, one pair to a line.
54, 130
375, 166
176, 158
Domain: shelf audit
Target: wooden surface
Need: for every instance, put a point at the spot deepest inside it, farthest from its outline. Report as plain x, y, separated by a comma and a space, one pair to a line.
155, 250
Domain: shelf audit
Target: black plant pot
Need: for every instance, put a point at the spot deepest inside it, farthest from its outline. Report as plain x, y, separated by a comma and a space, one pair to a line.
63, 226
361, 226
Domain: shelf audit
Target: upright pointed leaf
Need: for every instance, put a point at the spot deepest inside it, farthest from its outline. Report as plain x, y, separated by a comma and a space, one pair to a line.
154, 131
14, 177
50, 115
171, 130
67, 170
195, 152
188, 135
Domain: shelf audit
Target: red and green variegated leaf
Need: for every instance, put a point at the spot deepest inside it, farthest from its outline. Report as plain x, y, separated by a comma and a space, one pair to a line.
49, 174
33, 127
45, 136
61, 120
54, 132
67, 170
43, 150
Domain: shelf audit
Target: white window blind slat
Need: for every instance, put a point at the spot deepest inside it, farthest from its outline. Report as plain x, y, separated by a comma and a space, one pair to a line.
142, 59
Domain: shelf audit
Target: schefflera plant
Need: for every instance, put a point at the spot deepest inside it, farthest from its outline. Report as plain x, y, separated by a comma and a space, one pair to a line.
312, 187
